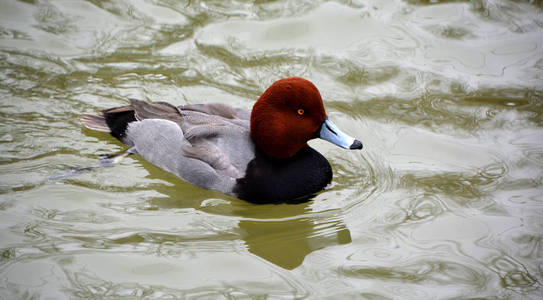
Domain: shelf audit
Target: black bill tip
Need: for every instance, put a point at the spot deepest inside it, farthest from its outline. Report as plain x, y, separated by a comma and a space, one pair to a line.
356, 145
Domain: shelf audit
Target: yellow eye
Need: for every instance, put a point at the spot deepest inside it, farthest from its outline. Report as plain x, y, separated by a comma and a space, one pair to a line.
300, 111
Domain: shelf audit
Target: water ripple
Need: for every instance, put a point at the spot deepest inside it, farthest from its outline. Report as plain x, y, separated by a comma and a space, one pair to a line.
443, 202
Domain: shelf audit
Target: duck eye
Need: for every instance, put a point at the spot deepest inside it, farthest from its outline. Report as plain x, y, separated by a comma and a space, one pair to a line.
301, 111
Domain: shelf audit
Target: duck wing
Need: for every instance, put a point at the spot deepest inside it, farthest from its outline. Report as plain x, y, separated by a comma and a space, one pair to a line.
219, 109
207, 144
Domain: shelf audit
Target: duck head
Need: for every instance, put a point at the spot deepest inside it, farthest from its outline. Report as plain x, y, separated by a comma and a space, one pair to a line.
290, 113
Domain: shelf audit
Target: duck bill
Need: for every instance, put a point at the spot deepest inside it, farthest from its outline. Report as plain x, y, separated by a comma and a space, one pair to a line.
331, 133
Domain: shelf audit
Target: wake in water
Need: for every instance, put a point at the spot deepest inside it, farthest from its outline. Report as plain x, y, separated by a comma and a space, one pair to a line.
106, 161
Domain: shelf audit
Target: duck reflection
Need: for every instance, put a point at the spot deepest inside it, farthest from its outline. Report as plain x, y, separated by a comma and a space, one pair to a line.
284, 234
286, 243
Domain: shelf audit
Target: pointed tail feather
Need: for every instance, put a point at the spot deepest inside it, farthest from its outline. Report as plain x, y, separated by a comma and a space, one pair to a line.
95, 122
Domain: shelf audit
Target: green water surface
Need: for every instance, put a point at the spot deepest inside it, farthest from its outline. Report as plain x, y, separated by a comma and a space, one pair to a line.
445, 201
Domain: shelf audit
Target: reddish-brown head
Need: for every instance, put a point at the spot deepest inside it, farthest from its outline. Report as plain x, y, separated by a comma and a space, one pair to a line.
287, 115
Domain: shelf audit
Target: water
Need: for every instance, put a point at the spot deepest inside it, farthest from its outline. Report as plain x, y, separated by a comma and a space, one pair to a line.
445, 200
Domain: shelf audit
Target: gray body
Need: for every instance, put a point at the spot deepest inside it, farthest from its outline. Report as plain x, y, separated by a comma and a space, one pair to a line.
208, 145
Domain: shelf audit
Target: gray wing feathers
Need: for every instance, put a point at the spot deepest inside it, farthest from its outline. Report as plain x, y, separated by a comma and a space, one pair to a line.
207, 144
155, 110
212, 155
161, 142
218, 109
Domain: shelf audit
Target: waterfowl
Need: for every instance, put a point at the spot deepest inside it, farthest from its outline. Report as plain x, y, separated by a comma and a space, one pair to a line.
261, 157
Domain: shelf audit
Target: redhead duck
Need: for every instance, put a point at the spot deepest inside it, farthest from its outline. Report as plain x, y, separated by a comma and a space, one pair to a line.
261, 157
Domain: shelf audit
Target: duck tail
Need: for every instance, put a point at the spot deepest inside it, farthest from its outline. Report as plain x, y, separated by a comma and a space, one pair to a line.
114, 120
95, 122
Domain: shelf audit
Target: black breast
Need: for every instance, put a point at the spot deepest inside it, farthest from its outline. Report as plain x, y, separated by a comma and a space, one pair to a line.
269, 180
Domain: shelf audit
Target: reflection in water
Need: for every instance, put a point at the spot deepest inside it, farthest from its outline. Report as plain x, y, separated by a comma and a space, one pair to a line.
287, 242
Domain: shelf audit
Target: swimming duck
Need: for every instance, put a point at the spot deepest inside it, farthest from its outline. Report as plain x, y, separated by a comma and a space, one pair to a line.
261, 157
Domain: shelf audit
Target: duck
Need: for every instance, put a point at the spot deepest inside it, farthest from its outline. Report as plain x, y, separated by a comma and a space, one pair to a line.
260, 156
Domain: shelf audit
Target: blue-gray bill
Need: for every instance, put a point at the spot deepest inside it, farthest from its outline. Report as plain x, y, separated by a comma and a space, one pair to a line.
330, 132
